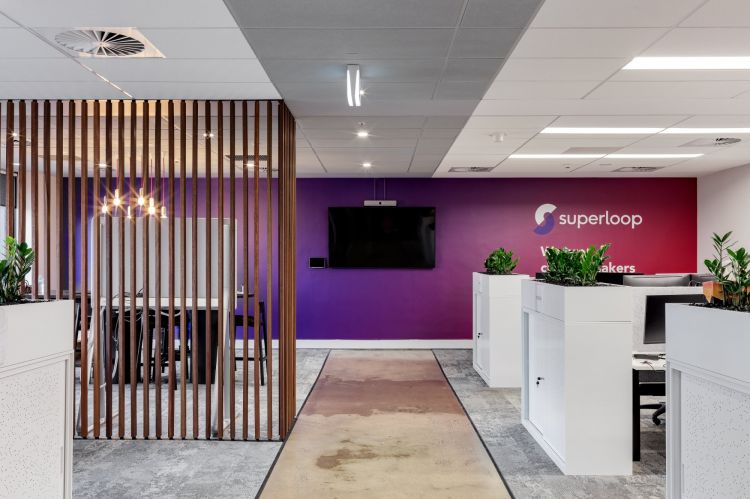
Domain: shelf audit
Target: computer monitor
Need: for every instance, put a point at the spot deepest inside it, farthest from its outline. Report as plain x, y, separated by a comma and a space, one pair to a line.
613, 277
654, 281
655, 323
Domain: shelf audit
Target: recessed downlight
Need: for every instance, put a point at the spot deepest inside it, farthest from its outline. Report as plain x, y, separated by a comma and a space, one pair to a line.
695, 63
362, 134
366, 164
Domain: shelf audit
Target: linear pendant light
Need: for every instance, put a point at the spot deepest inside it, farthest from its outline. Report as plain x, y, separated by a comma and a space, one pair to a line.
601, 130
353, 94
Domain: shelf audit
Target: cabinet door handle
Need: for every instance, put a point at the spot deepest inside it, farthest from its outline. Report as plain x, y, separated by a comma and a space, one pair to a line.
538, 379
479, 334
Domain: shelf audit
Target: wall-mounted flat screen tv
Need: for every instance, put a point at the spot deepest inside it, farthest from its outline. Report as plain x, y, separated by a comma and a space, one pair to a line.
381, 237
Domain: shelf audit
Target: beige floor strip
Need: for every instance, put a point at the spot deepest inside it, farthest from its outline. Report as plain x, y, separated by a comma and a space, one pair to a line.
383, 423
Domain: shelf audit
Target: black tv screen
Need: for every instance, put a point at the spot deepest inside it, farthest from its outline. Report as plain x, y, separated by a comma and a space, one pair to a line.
381, 237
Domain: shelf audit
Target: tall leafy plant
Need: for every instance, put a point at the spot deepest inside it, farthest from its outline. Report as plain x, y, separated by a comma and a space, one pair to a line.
731, 268
500, 262
13, 270
570, 267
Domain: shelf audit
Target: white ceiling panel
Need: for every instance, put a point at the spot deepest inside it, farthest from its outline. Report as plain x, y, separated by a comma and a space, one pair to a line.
577, 43
539, 89
720, 121
721, 13
508, 122
198, 90
468, 160
35, 70
141, 13
682, 75
669, 90
17, 43
543, 144
625, 14
692, 42
57, 90
548, 69
644, 121
181, 70
206, 43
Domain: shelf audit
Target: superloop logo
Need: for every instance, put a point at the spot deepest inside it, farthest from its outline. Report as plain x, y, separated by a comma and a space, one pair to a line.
545, 220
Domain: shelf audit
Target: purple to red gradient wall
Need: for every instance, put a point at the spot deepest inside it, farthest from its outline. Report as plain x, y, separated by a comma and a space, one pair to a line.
474, 216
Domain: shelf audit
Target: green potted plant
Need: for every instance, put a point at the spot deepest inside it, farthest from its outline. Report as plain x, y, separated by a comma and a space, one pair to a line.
497, 320
731, 269
14, 268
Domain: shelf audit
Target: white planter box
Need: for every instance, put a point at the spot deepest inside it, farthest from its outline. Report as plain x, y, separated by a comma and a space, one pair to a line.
577, 379
36, 399
708, 402
497, 328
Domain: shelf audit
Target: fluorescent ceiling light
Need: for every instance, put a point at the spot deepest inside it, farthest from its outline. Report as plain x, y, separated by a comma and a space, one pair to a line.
600, 130
689, 63
353, 90
709, 131
556, 156
363, 134
653, 156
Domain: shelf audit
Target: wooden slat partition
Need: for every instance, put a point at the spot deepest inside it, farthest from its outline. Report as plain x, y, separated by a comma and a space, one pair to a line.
232, 264
109, 291
11, 135
106, 256
246, 274
183, 270
209, 342
269, 269
96, 309
35, 195
133, 190
118, 211
287, 284
145, 144
194, 246
256, 269
171, 270
84, 265
157, 264
220, 267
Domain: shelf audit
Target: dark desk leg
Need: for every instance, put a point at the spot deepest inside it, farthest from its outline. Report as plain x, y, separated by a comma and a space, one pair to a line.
636, 417
198, 340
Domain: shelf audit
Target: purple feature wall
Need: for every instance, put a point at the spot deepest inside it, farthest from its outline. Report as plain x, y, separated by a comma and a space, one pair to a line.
474, 217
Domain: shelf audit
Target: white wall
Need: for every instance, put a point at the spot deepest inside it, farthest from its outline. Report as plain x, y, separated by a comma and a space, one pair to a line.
723, 205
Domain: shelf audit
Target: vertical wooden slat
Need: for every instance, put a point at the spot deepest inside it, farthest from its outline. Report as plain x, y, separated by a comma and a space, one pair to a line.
208, 269
171, 277
133, 190
194, 239
121, 267
246, 274
157, 262
232, 266
21, 197
71, 199
145, 144
11, 135
183, 270
22, 170
83, 407
109, 266
220, 270
47, 200
35, 195
59, 161
256, 269
96, 309
269, 270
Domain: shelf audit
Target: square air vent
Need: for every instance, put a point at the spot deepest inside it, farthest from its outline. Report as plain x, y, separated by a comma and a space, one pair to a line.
638, 169
471, 169
120, 42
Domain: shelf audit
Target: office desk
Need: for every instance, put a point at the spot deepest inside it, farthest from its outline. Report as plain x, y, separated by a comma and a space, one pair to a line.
655, 387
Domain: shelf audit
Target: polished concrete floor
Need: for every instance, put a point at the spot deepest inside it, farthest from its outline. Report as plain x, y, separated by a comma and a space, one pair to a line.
237, 469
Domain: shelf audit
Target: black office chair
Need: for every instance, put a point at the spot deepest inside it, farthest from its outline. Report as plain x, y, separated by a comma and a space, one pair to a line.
239, 321
653, 383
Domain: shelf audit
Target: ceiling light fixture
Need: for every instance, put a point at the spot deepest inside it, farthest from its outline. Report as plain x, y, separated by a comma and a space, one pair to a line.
556, 156
362, 134
653, 156
707, 131
689, 63
366, 164
601, 130
353, 91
